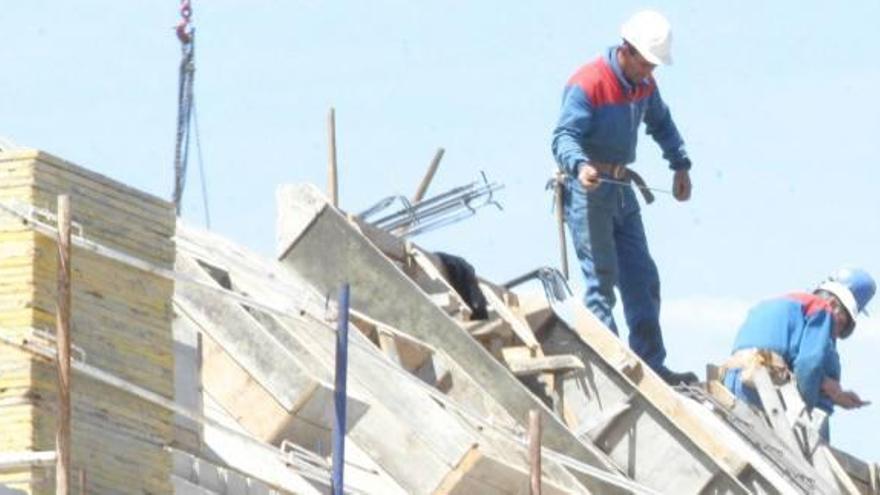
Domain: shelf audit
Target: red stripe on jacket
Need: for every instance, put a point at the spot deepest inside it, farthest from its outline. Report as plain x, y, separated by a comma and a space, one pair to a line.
598, 81
811, 302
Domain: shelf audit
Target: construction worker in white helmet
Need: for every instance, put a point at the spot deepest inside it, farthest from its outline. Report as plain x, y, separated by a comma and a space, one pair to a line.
797, 335
603, 106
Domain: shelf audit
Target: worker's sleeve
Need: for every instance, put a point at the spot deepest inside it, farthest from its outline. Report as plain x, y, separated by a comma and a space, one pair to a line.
815, 354
832, 365
659, 124
575, 121
832, 371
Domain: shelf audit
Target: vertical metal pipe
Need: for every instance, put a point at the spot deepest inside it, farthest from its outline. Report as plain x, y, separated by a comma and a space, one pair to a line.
62, 339
534, 452
339, 392
332, 181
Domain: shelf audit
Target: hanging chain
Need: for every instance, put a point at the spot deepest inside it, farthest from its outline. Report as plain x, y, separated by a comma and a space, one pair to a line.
186, 35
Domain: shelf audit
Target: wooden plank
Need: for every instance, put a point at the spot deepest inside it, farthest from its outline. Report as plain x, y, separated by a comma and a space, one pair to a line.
25, 186
774, 409
130, 236
534, 309
120, 212
806, 423
721, 393
99, 208
240, 335
863, 473
459, 471
81, 175
844, 483
244, 398
517, 325
480, 329
477, 472
386, 343
520, 366
448, 298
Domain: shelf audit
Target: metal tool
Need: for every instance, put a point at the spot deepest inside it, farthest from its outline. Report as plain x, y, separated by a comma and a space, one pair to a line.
626, 183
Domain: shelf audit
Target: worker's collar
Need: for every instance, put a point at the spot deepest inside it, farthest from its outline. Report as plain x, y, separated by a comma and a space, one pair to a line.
611, 58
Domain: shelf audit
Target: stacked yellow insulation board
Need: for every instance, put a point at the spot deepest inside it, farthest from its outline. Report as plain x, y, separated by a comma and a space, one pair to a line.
121, 324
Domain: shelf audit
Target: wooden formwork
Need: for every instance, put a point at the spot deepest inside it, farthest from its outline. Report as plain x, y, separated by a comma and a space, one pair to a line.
309, 229
121, 323
276, 361
640, 427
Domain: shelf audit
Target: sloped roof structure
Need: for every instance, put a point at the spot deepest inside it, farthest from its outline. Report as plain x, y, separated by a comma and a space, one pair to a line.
202, 367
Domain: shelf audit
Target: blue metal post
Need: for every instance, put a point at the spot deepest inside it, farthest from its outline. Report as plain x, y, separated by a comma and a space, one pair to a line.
339, 392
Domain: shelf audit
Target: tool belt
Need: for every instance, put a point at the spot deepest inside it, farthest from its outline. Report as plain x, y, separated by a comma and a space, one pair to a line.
624, 174
748, 360
614, 171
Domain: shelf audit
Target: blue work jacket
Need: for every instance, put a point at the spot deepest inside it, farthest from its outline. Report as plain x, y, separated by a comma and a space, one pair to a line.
601, 114
800, 328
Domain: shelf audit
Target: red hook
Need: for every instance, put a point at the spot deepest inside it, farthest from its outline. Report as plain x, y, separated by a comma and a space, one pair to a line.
184, 32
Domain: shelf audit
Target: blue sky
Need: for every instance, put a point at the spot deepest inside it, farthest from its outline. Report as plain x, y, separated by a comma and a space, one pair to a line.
776, 100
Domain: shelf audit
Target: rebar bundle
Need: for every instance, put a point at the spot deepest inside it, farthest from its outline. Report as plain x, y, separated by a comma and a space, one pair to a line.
444, 209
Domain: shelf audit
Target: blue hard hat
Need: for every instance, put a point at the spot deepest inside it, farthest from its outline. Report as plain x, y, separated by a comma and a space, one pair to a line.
858, 285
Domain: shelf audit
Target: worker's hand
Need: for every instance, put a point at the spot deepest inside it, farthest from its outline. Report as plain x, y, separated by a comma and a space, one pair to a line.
849, 400
588, 176
681, 185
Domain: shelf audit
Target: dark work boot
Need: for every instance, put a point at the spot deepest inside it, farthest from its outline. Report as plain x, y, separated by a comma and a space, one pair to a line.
673, 379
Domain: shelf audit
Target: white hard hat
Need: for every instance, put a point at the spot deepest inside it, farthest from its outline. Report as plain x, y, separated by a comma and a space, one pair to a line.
843, 294
854, 288
649, 33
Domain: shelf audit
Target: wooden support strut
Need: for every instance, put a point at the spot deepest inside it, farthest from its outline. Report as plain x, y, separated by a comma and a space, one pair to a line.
332, 181
423, 186
774, 408
778, 415
519, 327
839, 475
534, 452
650, 387
429, 175
62, 438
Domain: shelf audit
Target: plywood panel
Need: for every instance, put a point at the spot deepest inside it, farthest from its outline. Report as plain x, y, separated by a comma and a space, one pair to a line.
121, 318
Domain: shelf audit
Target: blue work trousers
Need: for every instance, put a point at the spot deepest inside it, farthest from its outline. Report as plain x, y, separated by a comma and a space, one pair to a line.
609, 239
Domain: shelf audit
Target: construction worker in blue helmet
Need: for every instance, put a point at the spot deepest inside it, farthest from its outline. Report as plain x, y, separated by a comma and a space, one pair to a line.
796, 335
